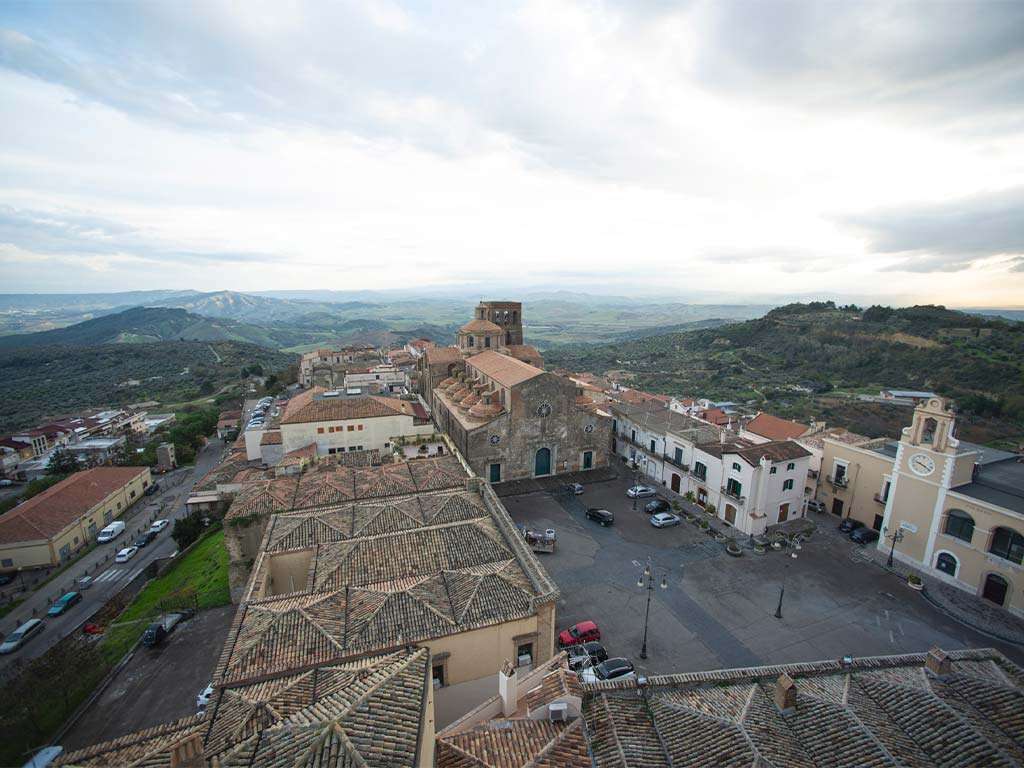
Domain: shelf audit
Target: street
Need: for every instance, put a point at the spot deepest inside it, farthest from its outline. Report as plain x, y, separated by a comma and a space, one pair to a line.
718, 611
109, 577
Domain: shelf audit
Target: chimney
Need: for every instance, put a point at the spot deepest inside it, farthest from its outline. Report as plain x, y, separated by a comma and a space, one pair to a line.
507, 685
785, 694
937, 662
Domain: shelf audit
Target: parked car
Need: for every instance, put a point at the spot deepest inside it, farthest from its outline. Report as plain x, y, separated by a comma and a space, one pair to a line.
612, 669
602, 516
849, 525
22, 635
158, 630
574, 488
6, 578
815, 506
159, 525
65, 602
145, 538
664, 520
152, 489
585, 655
596, 651
125, 554
657, 505
5, 483
204, 697
111, 532
640, 492
864, 535
583, 632
84, 582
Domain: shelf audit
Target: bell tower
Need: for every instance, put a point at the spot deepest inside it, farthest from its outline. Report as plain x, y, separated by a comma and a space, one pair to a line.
932, 427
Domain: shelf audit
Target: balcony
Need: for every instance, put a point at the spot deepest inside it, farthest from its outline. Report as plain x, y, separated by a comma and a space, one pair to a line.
679, 464
639, 446
734, 496
812, 473
880, 499
699, 478
839, 481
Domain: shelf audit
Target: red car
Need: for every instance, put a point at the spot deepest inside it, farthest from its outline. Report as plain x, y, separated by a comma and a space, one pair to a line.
584, 632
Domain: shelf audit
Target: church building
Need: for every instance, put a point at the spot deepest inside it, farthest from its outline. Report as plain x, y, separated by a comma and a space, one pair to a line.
509, 417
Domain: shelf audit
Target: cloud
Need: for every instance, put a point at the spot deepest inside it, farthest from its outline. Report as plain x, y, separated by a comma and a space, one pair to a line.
950, 236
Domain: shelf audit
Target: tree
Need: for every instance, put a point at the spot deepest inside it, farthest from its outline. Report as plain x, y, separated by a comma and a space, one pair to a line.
187, 529
63, 462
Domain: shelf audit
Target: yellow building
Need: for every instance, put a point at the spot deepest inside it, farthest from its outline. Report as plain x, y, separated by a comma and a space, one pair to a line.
50, 528
955, 509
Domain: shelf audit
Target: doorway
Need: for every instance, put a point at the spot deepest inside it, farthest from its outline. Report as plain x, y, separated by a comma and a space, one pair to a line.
995, 589
837, 507
730, 514
542, 464
675, 482
783, 513
877, 524
702, 496
495, 473
588, 459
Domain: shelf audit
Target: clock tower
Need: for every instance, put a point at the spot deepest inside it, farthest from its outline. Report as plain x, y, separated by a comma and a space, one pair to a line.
927, 464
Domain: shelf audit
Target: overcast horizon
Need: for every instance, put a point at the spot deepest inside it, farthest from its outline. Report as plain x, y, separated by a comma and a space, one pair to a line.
755, 150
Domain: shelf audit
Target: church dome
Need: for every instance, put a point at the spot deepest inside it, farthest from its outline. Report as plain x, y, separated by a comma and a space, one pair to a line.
480, 326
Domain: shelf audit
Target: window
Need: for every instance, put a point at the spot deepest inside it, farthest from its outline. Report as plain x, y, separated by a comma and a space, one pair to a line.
437, 670
787, 485
319, 430
791, 466
679, 455
632, 435
65, 552
700, 470
76, 541
119, 504
771, 471
487, 341
471, 343
7, 562
351, 428
736, 466
1008, 544
946, 563
131, 495
524, 654
652, 447
108, 515
959, 525
734, 488
359, 428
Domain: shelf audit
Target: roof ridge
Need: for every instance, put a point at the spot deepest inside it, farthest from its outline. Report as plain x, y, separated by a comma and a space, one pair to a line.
557, 739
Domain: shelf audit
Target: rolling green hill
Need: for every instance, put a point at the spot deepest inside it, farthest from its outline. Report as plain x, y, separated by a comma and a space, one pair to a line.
147, 324
53, 381
801, 350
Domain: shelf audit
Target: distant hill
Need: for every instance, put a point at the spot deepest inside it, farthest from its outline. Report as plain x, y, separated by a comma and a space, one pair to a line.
661, 330
246, 307
819, 347
148, 324
46, 382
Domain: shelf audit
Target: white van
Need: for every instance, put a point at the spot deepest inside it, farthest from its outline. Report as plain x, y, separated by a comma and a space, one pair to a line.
111, 532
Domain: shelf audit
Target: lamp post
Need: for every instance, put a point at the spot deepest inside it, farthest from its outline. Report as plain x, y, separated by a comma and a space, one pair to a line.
782, 587
896, 538
647, 579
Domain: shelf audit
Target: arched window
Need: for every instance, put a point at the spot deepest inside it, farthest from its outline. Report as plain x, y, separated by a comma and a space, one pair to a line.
928, 433
1008, 544
960, 525
946, 563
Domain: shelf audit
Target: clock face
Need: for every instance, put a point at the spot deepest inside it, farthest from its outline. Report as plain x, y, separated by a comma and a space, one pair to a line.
922, 464
544, 409
495, 439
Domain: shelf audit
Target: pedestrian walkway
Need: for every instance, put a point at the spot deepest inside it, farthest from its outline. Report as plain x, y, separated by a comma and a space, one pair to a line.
119, 574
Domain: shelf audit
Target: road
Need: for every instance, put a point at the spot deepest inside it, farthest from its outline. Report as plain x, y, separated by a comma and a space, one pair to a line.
109, 577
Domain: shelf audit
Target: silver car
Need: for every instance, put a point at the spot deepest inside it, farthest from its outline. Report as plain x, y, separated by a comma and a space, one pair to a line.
640, 492
664, 520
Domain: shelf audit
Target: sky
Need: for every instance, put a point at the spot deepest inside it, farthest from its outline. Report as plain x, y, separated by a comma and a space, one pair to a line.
740, 149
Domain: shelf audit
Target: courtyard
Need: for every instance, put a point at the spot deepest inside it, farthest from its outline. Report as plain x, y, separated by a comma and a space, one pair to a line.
719, 611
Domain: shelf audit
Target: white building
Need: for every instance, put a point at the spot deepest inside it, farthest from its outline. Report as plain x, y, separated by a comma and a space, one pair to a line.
338, 424
380, 379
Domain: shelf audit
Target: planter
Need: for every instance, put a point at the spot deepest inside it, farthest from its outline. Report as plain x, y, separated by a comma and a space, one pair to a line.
732, 548
720, 537
776, 545
704, 524
759, 549
915, 583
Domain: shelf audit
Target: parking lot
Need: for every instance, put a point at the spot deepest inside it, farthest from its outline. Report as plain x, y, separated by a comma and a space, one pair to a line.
158, 684
718, 611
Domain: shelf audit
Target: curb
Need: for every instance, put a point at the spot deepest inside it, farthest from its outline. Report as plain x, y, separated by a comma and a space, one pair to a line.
960, 620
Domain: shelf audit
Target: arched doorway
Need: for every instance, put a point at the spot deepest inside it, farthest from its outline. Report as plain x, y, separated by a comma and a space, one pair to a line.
542, 464
995, 589
730, 514
675, 482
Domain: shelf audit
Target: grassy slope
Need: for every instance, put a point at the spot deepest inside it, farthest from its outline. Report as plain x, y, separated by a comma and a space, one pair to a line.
204, 569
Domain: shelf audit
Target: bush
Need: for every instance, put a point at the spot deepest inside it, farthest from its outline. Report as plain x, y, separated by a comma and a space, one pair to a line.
187, 529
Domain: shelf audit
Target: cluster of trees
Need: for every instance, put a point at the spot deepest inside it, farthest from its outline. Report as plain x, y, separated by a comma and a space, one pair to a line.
188, 433
187, 529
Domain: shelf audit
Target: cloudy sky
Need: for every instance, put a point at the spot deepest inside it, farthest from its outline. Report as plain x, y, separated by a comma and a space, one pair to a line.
739, 149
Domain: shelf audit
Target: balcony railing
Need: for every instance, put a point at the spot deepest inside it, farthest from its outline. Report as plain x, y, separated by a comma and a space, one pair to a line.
880, 499
839, 482
812, 473
680, 464
733, 495
698, 477
637, 444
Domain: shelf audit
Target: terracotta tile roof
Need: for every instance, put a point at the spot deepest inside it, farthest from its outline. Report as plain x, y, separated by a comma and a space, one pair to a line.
715, 416
516, 744
53, 510
361, 711
271, 437
298, 456
311, 407
438, 355
480, 326
503, 369
225, 472
557, 683
774, 428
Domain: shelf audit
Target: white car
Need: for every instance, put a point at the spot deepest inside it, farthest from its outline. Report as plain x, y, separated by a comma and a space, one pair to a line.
159, 525
5, 482
664, 520
640, 492
204, 697
612, 669
125, 554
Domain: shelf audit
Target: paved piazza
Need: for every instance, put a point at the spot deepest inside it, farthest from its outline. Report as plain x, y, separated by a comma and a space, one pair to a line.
718, 611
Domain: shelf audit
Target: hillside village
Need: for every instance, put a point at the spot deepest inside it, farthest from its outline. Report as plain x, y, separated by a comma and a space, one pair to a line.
404, 531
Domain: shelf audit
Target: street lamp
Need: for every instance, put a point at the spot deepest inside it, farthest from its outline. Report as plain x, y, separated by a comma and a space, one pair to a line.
895, 537
782, 588
647, 579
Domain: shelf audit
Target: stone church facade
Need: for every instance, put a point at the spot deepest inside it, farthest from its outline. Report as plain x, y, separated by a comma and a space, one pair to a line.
508, 417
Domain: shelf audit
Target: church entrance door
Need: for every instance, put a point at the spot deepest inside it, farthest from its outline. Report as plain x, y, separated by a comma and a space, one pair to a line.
675, 482
542, 465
